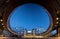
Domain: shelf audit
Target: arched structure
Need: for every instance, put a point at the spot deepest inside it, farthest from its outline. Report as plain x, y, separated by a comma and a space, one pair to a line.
9, 5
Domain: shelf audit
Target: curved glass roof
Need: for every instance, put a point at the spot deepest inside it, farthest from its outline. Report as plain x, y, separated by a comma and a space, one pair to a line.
29, 16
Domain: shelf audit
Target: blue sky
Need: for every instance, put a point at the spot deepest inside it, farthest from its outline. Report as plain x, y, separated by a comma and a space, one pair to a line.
29, 16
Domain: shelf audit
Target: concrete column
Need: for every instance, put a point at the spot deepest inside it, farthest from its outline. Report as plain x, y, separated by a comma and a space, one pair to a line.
59, 31
33, 32
25, 32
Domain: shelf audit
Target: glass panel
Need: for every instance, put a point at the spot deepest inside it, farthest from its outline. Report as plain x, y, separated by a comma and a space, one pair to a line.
53, 32
29, 16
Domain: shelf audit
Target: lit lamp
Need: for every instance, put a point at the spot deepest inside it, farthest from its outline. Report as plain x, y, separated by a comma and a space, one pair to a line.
2, 24
57, 22
1, 20
57, 18
4, 27
57, 12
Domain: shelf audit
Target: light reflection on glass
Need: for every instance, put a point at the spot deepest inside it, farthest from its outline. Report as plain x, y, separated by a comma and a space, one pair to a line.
54, 32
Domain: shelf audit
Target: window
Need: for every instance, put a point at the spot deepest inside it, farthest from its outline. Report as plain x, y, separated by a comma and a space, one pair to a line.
29, 16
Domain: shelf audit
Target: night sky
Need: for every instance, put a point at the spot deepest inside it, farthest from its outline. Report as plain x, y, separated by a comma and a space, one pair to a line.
29, 16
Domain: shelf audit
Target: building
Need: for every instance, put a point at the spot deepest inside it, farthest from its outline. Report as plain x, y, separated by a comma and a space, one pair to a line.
53, 6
